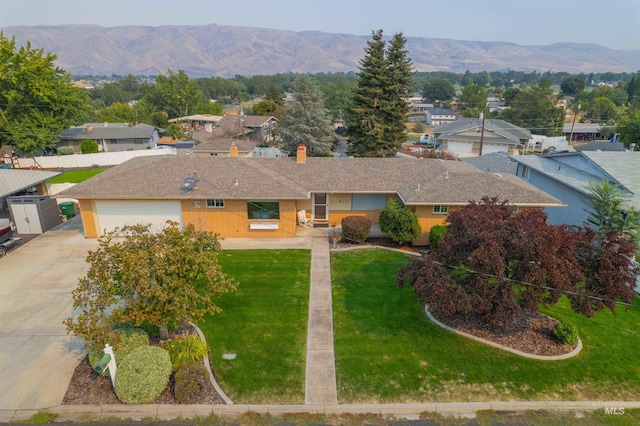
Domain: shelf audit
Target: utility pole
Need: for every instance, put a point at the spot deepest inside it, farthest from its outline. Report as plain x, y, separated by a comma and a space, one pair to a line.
482, 133
575, 113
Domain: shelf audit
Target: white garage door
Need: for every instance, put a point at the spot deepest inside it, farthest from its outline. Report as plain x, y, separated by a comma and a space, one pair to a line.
112, 214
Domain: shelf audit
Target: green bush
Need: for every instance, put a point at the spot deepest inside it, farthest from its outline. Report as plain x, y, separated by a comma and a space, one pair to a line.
190, 382
125, 339
356, 228
435, 234
143, 375
400, 223
65, 150
88, 146
186, 350
566, 332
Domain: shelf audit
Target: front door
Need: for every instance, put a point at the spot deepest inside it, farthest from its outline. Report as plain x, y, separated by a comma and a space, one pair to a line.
320, 206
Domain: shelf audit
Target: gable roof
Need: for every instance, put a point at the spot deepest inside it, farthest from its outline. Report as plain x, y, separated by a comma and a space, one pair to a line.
502, 128
109, 131
441, 111
617, 167
424, 181
12, 180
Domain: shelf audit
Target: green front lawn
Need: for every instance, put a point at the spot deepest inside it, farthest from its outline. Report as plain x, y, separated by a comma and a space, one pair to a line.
388, 351
75, 176
265, 324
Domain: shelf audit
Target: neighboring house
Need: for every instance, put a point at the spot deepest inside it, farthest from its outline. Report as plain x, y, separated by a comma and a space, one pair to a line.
438, 116
112, 137
197, 122
255, 127
566, 176
494, 162
581, 131
466, 137
262, 197
222, 146
422, 107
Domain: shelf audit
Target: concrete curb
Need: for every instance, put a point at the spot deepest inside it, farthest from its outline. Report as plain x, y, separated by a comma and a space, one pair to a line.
371, 246
86, 413
207, 365
574, 352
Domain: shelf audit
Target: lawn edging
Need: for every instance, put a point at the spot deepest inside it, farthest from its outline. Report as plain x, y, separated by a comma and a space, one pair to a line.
573, 353
207, 365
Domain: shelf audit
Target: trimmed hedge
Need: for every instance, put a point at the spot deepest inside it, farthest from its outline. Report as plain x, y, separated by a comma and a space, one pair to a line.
65, 150
399, 222
356, 228
143, 375
186, 350
435, 234
191, 382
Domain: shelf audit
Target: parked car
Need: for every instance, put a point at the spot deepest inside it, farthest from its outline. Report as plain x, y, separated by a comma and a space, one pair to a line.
427, 140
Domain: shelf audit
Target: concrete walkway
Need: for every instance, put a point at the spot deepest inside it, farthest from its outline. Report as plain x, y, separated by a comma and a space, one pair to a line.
320, 379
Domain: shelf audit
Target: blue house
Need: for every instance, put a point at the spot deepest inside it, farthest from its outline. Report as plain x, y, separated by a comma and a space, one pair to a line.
566, 176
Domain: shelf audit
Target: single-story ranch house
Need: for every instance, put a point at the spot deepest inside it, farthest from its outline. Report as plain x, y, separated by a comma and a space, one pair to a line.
262, 197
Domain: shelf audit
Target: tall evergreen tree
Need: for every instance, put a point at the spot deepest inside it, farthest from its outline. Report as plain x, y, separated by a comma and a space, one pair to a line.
400, 72
305, 121
375, 120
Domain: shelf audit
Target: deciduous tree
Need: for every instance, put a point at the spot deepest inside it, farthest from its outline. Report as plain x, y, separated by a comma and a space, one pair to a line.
495, 266
37, 100
137, 276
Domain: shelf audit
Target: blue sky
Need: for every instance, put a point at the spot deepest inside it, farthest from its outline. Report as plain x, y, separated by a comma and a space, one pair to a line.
614, 23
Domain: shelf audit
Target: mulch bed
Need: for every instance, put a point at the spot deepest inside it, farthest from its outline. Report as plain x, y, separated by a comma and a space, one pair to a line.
89, 388
537, 338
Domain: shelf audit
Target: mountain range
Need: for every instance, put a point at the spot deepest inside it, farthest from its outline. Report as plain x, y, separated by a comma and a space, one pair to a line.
220, 50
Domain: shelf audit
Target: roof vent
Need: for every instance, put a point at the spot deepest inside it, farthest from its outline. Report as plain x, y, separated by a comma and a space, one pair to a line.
497, 175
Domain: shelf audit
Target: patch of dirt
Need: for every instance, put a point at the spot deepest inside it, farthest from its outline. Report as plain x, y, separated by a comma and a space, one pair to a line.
89, 388
535, 338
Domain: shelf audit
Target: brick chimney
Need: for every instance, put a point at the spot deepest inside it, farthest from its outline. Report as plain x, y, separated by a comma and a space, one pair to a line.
301, 154
233, 150
89, 127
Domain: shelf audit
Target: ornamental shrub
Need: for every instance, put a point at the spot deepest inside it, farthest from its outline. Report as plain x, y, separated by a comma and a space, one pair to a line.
190, 383
435, 234
566, 332
356, 228
88, 146
65, 150
186, 350
400, 223
143, 375
125, 339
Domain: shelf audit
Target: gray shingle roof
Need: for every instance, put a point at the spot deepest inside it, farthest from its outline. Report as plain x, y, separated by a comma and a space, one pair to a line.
499, 127
210, 143
111, 131
493, 163
423, 181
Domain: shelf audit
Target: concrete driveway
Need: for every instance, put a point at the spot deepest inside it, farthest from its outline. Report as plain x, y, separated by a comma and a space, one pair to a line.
37, 358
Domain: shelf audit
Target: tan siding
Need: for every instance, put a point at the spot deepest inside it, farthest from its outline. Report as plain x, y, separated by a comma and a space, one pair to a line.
89, 220
337, 216
231, 221
340, 202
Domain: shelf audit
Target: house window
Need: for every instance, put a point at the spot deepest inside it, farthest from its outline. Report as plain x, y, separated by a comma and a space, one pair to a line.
263, 209
215, 204
440, 209
525, 172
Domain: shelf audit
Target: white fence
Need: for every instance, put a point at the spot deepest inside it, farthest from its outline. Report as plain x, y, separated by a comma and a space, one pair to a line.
79, 161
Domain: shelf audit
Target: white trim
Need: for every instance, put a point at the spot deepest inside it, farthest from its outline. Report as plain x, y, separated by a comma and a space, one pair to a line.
264, 225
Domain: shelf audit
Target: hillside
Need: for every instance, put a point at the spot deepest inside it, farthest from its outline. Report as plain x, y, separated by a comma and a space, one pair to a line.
207, 50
